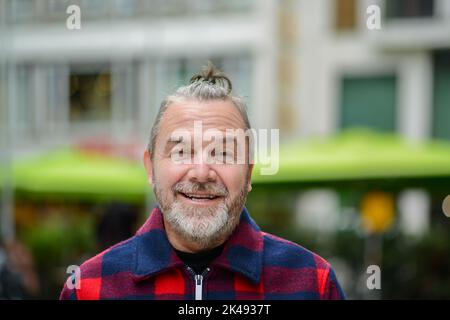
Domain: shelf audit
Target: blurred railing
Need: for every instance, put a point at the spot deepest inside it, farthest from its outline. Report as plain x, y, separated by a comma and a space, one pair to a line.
42, 11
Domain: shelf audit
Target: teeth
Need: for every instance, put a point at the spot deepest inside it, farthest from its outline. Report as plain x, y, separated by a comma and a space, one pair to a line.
200, 197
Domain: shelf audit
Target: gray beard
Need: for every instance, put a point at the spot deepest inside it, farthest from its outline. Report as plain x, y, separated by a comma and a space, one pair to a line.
206, 227
203, 226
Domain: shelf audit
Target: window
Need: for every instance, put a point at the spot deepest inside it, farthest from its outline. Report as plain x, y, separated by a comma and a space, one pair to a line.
95, 9
20, 11
409, 8
104, 98
127, 8
162, 8
24, 108
369, 102
441, 95
345, 15
90, 96
56, 9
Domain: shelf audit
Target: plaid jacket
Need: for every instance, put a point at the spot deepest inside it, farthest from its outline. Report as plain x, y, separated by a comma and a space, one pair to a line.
252, 265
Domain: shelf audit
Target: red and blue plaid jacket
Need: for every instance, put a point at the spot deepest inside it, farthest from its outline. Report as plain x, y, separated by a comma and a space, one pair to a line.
252, 265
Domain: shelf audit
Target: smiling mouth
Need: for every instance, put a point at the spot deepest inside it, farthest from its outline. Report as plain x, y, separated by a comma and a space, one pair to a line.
199, 197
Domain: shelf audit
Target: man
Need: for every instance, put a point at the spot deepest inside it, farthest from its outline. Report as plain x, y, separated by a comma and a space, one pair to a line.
200, 242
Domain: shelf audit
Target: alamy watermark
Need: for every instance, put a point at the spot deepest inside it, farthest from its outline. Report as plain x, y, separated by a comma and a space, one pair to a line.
373, 21
73, 21
374, 279
74, 281
232, 146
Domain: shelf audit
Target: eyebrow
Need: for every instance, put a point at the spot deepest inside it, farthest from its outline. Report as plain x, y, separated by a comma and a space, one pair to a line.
233, 140
170, 143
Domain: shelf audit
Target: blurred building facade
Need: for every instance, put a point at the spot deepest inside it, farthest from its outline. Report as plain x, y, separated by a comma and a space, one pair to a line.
393, 79
108, 78
308, 67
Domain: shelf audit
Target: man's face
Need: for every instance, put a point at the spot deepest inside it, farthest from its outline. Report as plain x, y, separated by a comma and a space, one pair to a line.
201, 199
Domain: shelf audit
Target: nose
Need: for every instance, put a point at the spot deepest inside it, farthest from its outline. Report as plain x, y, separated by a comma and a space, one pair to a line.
202, 172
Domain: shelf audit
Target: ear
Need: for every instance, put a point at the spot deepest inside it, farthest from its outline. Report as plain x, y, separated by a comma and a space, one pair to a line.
148, 166
249, 177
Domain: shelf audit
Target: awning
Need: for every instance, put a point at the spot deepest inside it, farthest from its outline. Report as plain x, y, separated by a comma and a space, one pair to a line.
359, 155
80, 174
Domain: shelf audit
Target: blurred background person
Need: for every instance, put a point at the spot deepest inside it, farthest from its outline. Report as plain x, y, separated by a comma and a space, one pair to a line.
18, 279
117, 223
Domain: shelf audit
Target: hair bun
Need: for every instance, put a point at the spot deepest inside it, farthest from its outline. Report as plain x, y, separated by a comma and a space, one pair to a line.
212, 75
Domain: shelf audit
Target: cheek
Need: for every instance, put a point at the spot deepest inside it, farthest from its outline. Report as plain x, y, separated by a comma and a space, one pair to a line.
234, 178
167, 174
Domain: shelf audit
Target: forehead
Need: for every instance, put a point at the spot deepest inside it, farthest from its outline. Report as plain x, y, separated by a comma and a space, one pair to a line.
214, 114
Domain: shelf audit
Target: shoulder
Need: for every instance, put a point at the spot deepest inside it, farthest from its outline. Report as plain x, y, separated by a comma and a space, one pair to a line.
294, 272
286, 253
119, 255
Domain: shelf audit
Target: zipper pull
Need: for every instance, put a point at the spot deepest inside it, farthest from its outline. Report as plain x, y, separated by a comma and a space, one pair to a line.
198, 280
198, 286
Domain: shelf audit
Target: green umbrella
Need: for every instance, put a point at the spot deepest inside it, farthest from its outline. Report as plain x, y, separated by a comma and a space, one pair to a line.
358, 154
81, 174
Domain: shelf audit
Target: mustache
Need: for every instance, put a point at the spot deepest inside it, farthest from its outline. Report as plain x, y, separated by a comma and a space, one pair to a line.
209, 187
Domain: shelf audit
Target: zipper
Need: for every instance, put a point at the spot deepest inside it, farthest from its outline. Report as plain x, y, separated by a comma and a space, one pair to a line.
198, 281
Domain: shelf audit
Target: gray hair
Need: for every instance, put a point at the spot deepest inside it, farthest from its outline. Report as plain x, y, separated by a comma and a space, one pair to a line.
209, 85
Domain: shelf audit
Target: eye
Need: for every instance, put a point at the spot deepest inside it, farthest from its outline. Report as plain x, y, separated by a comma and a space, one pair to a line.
223, 154
178, 152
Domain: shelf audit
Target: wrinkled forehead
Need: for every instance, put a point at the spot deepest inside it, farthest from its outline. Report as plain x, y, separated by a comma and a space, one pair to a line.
210, 116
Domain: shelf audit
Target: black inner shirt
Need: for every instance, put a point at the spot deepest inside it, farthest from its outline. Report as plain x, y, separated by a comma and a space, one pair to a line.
201, 260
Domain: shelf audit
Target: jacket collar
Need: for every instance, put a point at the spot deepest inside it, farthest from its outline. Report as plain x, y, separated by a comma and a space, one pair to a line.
242, 252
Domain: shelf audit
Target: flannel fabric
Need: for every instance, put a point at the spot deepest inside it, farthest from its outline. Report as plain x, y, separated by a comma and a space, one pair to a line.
252, 265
